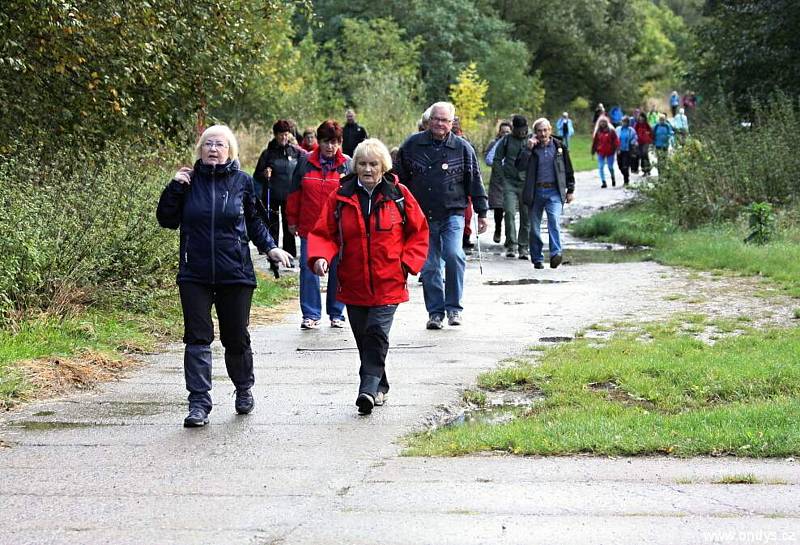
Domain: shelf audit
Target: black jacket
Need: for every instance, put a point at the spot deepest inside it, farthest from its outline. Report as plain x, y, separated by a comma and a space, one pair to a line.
217, 218
352, 135
565, 175
442, 177
282, 160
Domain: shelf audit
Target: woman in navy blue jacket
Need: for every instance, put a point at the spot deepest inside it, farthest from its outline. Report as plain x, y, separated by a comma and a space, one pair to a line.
214, 206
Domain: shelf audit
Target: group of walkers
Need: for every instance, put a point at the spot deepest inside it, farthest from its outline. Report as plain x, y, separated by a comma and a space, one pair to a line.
365, 219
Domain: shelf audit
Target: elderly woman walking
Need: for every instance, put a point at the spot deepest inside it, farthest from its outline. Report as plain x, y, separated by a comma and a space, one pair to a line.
376, 228
213, 204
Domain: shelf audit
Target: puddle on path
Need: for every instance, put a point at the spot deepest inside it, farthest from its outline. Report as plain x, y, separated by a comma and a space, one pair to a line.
523, 281
44, 413
555, 339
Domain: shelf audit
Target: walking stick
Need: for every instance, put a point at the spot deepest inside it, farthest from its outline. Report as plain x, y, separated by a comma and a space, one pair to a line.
478, 239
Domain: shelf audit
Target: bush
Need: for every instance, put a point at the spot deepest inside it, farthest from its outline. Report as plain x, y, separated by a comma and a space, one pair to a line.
81, 231
729, 165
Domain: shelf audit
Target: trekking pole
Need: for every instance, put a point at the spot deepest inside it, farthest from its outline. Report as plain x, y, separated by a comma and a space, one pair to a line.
478, 239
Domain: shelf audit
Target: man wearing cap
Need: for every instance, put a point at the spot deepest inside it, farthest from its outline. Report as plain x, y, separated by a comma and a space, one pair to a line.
442, 171
507, 151
549, 184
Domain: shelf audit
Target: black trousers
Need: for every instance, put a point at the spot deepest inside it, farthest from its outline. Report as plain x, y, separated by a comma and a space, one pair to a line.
278, 221
233, 311
371, 327
624, 162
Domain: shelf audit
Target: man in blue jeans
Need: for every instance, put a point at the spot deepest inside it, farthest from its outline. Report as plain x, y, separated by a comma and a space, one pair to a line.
441, 170
549, 183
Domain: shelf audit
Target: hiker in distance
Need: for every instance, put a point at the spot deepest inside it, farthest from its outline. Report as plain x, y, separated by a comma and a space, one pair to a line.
214, 205
513, 180
442, 171
549, 184
376, 228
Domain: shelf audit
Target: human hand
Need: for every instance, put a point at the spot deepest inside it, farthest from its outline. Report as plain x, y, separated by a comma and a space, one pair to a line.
483, 224
183, 176
276, 255
321, 267
532, 142
570, 197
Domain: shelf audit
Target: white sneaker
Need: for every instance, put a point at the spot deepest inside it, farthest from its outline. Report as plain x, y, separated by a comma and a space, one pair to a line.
338, 324
454, 318
309, 323
380, 398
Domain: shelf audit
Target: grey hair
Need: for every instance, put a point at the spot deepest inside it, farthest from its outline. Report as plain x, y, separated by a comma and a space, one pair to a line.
426, 115
443, 105
226, 133
540, 121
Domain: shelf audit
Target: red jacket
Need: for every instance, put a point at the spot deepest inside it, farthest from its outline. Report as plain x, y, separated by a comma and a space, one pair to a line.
605, 143
644, 134
375, 256
310, 187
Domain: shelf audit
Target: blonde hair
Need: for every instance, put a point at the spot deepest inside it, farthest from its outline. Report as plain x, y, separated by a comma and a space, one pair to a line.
373, 146
226, 133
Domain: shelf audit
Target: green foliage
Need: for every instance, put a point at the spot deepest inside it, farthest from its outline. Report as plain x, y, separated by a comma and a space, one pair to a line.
727, 166
468, 95
95, 71
81, 230
512, 87
762, 223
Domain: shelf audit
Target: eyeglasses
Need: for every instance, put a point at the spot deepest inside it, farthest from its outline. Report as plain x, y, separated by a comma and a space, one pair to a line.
212, 145
441, 119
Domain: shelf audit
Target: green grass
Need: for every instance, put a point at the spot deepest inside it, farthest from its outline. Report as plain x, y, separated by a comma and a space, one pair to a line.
746, 478
104, 331
629, 396
474, 397
579, 147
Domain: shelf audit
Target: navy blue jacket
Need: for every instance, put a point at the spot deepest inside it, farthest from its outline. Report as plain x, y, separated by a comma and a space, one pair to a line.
217, 218
441, 178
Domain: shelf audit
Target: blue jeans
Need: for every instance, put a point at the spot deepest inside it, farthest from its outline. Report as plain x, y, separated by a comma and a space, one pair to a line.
444, 245
548, 200
310, 299
603, 160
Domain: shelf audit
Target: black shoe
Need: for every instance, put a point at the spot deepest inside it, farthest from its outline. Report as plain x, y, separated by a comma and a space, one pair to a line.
511, 255
538, 265
197, 418
524, 257
555, 261
244, 401
365, 403
603, 185
613, 182
496, 237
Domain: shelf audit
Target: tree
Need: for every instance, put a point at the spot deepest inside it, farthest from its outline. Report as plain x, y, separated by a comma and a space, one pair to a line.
468, 94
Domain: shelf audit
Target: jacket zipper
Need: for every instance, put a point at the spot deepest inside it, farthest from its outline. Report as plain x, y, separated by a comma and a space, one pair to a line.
369, 245
186, 251
213, 222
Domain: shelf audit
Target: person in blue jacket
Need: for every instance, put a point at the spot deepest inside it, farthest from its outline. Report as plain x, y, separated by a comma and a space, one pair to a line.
628, 144
663, 134
565, 129
213, 203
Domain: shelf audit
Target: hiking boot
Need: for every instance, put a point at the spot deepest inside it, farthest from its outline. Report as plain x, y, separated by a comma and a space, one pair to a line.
511, 255
496, 237
454, 318
380, 398
197, 418
603, 185
524, 256
337, 323
434, 322
538, 265
309, 323
555, 261
244, 401
365, 402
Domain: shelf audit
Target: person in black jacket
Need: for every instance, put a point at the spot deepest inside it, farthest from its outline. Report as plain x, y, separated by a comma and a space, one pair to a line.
353, 133
273, 179
214, 206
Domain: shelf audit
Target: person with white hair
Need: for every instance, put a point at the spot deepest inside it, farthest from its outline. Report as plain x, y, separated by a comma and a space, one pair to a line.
214, 206
565, 129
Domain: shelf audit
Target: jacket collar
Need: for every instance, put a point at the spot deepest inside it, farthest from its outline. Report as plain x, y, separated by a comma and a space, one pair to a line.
225, 168
427, 139
385, 187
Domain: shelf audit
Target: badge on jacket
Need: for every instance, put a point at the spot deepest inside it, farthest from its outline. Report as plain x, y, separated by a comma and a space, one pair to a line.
445, 166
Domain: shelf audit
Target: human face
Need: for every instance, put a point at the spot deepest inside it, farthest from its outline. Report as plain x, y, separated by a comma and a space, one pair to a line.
327, 148
440, 123
214, 150
282, 138
369, 169
350, 117
310, 139
603, 124
543, 131
504, 130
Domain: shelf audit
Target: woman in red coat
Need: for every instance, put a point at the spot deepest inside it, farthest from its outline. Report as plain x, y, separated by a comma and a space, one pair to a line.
376, 228
605, 144
644, 135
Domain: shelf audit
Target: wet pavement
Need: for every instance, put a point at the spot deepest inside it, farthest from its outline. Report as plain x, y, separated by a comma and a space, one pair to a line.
115, 466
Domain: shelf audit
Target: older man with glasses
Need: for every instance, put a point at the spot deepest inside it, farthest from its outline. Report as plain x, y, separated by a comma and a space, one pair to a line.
441, 170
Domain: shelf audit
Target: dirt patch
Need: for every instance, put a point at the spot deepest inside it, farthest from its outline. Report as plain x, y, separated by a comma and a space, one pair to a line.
618, 395
273, 314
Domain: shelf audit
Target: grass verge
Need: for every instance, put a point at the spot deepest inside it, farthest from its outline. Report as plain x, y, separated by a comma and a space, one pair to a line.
580, 147
45, 356
646, 392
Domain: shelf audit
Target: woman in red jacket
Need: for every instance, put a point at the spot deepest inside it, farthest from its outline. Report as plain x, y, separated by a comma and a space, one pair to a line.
315, 177
376, 228
605, 144
644, 135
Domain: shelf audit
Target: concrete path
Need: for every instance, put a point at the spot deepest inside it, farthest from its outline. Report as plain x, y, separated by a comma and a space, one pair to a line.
115, 466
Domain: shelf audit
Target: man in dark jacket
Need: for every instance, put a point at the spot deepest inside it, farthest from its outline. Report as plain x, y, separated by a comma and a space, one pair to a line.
506, 152
273, 178
549, 184
353, 135
441, 170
